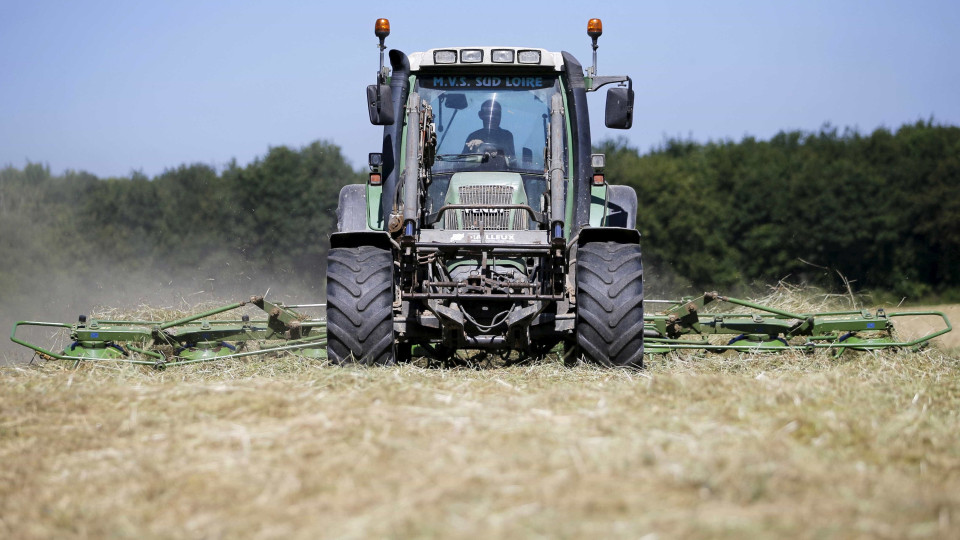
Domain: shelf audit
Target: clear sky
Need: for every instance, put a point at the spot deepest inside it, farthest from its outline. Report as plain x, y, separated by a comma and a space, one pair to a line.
112, 87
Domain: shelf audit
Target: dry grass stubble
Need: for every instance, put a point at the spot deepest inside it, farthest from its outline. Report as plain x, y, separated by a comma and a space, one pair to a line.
722, 446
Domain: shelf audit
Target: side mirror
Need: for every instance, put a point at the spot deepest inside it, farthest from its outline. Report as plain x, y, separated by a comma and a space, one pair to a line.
619, 112
381, 112
455, 101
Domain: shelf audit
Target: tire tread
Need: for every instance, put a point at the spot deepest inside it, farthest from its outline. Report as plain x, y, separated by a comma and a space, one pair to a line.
360, 306
609, 325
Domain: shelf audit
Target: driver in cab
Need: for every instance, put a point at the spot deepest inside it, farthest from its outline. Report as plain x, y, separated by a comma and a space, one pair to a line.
490, 134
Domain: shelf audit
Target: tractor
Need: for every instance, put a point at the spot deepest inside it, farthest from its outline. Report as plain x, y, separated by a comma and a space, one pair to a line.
486, 222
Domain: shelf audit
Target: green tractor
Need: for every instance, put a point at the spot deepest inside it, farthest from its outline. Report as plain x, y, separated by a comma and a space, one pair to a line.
486, 222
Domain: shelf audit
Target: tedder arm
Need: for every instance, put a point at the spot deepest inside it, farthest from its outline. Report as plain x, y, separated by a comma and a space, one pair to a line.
684, 325
189, 340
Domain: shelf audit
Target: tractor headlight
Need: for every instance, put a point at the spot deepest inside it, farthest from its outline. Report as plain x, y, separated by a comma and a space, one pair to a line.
529, 57
502, 56
598, 161
471, 56
445, 57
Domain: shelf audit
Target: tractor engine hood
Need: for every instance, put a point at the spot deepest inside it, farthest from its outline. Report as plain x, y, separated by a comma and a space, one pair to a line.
480, 198
483, 207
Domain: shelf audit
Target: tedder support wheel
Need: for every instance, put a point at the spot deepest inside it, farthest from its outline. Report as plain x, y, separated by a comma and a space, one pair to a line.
610, 304
360, 306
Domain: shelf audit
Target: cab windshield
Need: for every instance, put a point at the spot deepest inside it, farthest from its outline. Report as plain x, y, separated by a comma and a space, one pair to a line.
489, 122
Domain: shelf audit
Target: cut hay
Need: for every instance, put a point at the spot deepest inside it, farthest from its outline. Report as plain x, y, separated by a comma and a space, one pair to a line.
737, 446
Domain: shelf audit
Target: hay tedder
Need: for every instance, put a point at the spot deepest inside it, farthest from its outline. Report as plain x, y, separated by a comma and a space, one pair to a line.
682, 325
485, 224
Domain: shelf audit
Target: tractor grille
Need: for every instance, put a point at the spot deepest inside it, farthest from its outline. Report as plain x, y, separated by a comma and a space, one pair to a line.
486, 218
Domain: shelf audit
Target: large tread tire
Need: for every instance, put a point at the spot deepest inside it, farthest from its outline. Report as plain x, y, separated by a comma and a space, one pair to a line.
609, 325
360, 306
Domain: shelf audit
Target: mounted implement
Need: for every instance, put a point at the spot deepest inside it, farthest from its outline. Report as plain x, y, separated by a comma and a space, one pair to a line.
187, 340
688, 324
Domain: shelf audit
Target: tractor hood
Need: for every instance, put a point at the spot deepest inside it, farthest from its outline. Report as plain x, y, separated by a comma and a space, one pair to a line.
482, 192
486, 181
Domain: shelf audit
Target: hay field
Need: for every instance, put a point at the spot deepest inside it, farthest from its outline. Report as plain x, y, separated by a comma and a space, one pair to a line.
717, 446
720, 446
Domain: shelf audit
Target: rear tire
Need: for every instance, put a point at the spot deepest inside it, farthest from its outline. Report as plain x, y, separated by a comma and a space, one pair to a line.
610, 304
360, 306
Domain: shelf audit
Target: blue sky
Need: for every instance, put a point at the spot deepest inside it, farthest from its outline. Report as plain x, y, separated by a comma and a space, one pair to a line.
114, 87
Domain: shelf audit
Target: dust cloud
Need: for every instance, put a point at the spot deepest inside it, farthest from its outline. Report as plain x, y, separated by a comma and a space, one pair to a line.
55, 295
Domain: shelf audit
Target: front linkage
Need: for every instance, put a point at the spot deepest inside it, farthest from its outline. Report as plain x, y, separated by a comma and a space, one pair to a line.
685, 325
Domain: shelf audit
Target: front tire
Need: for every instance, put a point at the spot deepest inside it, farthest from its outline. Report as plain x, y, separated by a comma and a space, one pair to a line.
360, 306
609, 325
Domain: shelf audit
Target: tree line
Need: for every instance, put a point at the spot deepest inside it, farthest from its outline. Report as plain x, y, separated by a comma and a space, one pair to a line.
881, 209
266, 222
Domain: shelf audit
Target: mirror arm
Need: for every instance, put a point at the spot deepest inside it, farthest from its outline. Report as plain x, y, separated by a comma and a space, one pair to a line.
598, 82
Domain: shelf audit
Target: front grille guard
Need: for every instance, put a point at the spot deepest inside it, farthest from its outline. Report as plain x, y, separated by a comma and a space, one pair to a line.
432, 219
482, 218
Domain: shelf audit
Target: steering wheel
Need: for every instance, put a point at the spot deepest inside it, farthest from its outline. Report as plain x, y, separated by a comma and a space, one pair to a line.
493, 154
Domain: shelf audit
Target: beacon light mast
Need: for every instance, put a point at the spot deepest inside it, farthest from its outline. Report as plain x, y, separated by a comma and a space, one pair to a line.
618, 99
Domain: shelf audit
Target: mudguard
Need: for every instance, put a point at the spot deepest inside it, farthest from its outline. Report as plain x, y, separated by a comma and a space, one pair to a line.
352, 208
379, 239
608, 234
622, 207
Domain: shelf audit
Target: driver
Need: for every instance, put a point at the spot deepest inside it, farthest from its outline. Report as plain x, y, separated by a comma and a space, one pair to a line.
491, 132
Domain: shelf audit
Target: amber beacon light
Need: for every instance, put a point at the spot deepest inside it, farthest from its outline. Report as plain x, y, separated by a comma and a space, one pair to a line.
382, 28
594, 28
